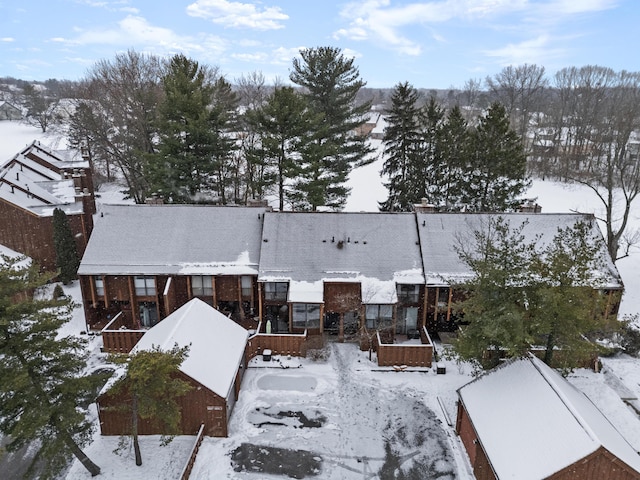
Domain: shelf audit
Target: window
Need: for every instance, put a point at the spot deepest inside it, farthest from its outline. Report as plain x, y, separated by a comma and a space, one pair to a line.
306, 315
443, 296
276, 291
99, 283
379, 316
246, 283
408, 293
145, 286
202, 285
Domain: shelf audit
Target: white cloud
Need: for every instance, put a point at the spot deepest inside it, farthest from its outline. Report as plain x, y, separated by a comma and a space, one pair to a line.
533, 51
134, 30
389, 24
7, 39
378, 21
238, 15
284, 56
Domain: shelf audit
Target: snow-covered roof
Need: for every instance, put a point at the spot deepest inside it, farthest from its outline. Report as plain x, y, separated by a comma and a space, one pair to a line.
33, 180
532, 423
174, 240
216, 344
441, 232
350, 247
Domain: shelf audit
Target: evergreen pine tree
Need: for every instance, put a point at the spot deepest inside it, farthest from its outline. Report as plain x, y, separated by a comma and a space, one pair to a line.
430, 173
331, 83
566, 309
530, 292
67, 258
153, 387
401, 141
497, 169
284, 124
494, 311
454, 148
42, 382
192, 145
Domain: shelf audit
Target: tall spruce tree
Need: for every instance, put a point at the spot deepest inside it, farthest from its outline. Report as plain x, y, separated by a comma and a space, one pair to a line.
402, 138
431, 172
331, 83
497, 168
152, 387
454, 147
285, 124
190, 127
67, 258
42, 381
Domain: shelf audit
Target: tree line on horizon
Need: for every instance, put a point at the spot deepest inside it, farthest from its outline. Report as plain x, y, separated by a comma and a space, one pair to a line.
297, 143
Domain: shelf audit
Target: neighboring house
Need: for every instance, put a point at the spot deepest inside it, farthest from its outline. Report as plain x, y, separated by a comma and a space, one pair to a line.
32, 184
148, 260
9, 111
213, 368
337, 273
524, 421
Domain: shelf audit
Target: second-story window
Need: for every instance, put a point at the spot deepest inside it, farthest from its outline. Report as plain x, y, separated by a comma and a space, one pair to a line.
408, 293
202, 285
276, 291
246, 285
145, 286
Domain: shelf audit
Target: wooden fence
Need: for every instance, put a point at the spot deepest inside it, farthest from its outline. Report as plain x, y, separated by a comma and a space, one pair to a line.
117, 339
401, 354
186, 471
294, 344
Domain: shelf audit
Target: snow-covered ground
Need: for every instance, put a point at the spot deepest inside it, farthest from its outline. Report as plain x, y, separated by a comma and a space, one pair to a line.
345, 412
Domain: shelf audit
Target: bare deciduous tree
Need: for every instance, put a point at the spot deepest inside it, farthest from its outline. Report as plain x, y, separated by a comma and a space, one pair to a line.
519, 89
119, 100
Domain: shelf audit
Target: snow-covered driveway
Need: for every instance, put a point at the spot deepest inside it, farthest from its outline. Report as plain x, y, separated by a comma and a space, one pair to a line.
336, 419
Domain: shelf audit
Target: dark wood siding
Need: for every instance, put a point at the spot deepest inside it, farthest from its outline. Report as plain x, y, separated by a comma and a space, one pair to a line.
342, 297
227, 289
599, 465
199, 406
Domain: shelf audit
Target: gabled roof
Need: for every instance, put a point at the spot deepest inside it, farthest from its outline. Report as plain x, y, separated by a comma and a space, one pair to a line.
174, 239
33, 180
216, 344
532, 423
376, 249
441, 232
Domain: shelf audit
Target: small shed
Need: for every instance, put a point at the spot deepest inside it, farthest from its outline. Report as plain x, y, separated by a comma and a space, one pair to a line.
214, 368
524, 421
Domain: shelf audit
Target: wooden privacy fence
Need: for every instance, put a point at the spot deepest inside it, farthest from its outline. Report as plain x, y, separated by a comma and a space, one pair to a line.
117, 339
411, 355
186, 471
294, 344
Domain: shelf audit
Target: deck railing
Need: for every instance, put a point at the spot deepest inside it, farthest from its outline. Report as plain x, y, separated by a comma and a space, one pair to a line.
116, 338
294, 344
186, 471
406, 354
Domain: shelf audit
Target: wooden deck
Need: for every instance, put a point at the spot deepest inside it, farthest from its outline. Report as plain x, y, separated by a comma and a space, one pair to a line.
405, 354
116, 338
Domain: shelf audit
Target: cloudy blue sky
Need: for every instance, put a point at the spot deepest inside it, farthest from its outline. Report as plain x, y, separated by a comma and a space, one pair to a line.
431, 44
